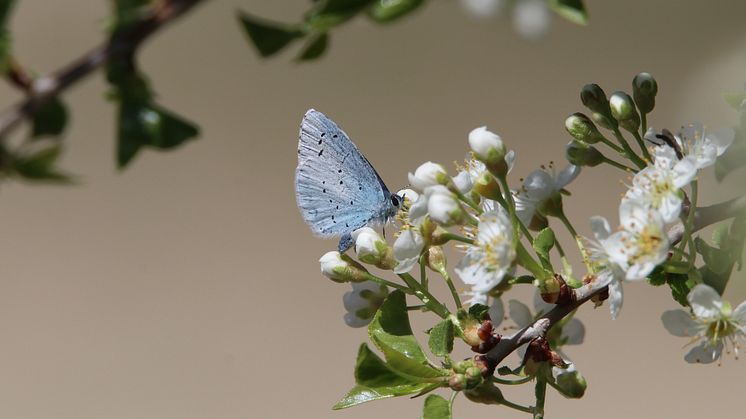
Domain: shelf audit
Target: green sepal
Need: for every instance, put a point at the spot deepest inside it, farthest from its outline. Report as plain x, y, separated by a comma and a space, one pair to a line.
441, 338
40, 166
375, 380
384, 11
436, 407
572, 10
268, 37
479, 312
543, 243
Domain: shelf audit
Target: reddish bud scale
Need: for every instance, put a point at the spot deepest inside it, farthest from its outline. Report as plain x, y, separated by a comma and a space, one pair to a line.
485, 331
484, 365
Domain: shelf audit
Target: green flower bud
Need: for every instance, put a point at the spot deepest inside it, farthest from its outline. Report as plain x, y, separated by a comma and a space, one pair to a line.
570, 383
605, 121
457, 382
623, 110
644, 89
582, 128
486, 393
486, 185
436, 259
581, 154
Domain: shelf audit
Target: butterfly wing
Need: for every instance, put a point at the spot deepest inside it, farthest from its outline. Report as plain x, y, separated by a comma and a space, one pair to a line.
337, 190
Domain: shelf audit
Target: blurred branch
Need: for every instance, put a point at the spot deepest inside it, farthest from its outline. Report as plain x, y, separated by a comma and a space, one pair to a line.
705, 216
122, 43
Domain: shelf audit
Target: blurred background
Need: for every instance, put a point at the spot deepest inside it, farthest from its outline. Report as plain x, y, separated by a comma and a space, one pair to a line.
188, 286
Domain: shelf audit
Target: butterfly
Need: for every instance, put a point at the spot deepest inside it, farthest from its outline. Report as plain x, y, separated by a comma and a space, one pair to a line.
336, 188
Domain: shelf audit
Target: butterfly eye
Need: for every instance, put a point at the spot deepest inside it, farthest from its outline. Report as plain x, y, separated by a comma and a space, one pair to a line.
395, 200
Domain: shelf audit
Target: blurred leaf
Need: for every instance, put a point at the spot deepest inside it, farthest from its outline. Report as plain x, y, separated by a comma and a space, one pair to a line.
315, 48
268, 37
385, 11
716, 259
6, 7
40, 166
50, 119
734, 157
441, 338
436, 407
330, 13
479, 311
375, 380
736, 100
572, 10
146, 124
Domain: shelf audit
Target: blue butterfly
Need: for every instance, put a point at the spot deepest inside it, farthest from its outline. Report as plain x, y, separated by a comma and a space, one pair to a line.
336, 188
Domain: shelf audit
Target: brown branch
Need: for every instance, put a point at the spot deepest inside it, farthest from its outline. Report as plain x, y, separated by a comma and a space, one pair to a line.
121, 44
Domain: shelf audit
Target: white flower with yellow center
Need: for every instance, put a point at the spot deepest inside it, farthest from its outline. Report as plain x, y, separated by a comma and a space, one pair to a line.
490, 257
539, 187
659, 186
713, 325
702, 145
642, 244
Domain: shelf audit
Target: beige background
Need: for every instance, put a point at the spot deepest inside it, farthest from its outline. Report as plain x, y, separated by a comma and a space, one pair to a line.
188, 285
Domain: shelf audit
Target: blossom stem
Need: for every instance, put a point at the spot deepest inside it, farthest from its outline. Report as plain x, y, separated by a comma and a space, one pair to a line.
643, 123
628, 150
517, 224
428, 299
567, 224
451, 236
454, 293
641, 143
690, 223
512, 382
524, 230
541, 392
388, 283
618, 165
423, 272
613, 146
468, 201
525, 260
516, 406
420, 307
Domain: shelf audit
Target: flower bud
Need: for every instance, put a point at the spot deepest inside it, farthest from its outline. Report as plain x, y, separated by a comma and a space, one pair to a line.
623, 110
580, 154
436, 259
362, 302
462, 182
488, 148
486, 185
371, 248
644, 89
486, 393
570, 383
409, 197
341, 268
407, 249
582, 128
428, 174
594, 98
443, 206
457, 382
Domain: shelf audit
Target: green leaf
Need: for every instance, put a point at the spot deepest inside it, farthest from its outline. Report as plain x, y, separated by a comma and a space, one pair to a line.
391, 333
543, 243
385, 11
40, 166
50, 119
572, 10
735, 100
145, 124
436, 407
733, 159
375, 381
268, 37
6, 7
330, 13
479, 312
315, 48
441, 338
717, 260
391, 327
680, 286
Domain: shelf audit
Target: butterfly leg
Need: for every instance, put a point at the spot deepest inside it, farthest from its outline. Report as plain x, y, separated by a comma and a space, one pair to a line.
345, 242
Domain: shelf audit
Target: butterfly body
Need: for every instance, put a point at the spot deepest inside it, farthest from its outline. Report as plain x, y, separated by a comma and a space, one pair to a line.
336, 188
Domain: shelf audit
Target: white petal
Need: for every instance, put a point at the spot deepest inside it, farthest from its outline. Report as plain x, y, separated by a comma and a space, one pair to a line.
640, 270
616, 298
541, 306
678, 323
600, 227
684, 171
704, 354
539, 185
574, 332
483, 8
354, 321
463, 182
705, 301
567, 175
740, 313
497, 311
722, 139
531, 18
520, 314
510, 159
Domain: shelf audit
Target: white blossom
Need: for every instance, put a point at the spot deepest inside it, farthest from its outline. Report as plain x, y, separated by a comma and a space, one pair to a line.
539, 186
362, 302
607, 272
485, 144
407, 249
713, 324
487, 261
428, 174
641, 244
702, 145
443, 206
